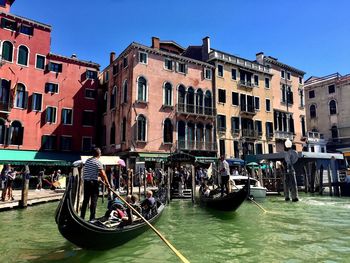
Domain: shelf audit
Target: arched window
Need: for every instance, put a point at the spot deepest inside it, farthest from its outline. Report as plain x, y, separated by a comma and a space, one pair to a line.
7, 51
141, 89
200, 137
209, 137
112, 102
16, 133
208, 103
190, 100
332, 107
168, 131
168, 94
4, 94
112, 134
199, 101
181, 98
313, 111
21, 96
23, 54
181, 134
124, 130
141, 128
125, 91
334, 131
2, 131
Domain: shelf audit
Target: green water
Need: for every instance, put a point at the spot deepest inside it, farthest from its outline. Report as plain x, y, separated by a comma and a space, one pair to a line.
316, 229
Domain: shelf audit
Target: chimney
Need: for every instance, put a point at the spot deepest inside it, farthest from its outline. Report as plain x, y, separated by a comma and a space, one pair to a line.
260, 57
155, 42
205, 48
73, 56
111, 57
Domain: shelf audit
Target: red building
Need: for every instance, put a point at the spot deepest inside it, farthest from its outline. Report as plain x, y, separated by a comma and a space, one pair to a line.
47, 101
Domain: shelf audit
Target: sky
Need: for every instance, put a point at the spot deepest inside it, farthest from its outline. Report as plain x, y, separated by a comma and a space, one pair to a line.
311, 35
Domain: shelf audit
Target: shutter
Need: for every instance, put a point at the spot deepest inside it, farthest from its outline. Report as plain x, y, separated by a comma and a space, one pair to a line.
186, 68
3, 22
9, 135
20, 135
177, 67
173, 65
25, 104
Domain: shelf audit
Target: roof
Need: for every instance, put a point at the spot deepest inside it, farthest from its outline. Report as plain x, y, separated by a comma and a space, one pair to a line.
171, 42
274, 61
27, 20
75, 60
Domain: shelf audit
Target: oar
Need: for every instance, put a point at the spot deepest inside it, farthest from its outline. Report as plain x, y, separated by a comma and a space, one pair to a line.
251, 199
183, 259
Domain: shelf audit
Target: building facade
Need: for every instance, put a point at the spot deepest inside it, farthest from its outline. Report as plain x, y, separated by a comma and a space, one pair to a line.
328, 109
157, 102
47, 101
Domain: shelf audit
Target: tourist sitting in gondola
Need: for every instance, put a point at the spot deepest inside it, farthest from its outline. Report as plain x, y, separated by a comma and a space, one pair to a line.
115, 209
148, 205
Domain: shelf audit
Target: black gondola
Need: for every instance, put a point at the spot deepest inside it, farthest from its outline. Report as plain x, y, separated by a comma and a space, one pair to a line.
96, 236
229, 202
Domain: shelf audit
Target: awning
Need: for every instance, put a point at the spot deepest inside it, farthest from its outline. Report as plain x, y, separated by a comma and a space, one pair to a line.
105, 160
22, 157
153, 157
205, 159
235, 161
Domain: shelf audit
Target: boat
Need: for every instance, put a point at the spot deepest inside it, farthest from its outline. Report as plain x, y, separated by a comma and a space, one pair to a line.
98, 234
228, 202
255, 191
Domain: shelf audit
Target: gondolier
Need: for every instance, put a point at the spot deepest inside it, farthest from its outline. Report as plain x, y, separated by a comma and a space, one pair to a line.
92, 170
224, 170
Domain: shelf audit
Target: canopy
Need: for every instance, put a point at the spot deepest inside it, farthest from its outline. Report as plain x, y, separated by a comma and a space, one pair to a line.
106, 160
153, 157
235, 161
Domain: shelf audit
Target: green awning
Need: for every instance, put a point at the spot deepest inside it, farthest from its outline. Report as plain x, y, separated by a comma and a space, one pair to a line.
153, 157
22, 157
205, 159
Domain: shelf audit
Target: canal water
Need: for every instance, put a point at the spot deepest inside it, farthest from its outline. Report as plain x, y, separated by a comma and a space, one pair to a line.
316, 229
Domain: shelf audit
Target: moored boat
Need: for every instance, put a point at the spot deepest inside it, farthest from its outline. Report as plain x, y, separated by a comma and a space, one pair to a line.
255, 191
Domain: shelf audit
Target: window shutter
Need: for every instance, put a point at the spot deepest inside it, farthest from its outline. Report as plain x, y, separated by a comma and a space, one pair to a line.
25, 102
60, 68
177, 67
20, 135
9, 135
173, 65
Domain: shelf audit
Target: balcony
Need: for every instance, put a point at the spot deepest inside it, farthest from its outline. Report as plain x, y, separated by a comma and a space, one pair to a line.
248, 110
269, 135
246, 84
249, 133
196, 146
235, 132
283, 135
195, 110
5, 107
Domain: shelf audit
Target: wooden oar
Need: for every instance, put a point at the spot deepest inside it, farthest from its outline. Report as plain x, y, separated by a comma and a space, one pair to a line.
251, 199
177, 253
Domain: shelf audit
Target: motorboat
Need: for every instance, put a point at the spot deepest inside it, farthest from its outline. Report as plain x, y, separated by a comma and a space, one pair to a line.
256, 190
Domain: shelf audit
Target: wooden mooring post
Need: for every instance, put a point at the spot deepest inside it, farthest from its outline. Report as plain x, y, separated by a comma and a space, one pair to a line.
168, 182
24, 195
193, 184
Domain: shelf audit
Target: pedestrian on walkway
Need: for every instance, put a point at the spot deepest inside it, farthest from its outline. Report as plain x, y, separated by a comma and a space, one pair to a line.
41, 174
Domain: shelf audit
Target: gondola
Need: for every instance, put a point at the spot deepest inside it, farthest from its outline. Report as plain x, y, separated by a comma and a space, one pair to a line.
229, 202
97, 235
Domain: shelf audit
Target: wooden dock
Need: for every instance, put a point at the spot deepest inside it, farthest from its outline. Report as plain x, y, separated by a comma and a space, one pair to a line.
34, 197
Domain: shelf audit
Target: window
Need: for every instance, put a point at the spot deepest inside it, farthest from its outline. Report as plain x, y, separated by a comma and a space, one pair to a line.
270, 146
268, 105
66, 143
220, 70
16, 132
269, 129
23, 56
207, 73
8, 24
55, 67
282, 74
235, 98
2, 131
168, 131
334, 131
323, 150
168, 64
67, 116
87, 144
7, 51
311, 94
143, 57
112, 134
51, 88
124, 130
181, 67
106, 76
331, 89
142, 89
332, 107
113, 98
104, 104
222, 96
48, 142
267, 83
141, 128
168, 94
258, 127
300, 80
40, 62
88, 118
303, 127
301, 98
91, 74
256, 80
236, 149
90, 93
37, 101
235, 124
222, 147
125, 62
221, 122
287, 94
257, 103
288, 75
313, 111
125, 91
258, 148
27, 30
234, 74
21, 96
51, 114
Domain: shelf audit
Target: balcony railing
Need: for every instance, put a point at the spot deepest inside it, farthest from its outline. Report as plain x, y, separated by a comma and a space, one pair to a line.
246, 84
284, 135
269, 135
5, 107
195, 110
251, 133
248, 109
195, 145
235, 131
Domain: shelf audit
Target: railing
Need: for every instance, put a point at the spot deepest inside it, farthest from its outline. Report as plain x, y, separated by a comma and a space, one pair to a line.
247, 84
248, 109
195, 109
269, 135
284, 135
195, 145
235, 131
250, 133
5, 107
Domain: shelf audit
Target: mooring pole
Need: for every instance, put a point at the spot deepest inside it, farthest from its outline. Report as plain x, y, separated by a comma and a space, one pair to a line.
193, 184
25, 187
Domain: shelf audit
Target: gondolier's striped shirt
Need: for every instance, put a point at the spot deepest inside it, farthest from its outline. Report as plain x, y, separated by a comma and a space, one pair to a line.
91, 169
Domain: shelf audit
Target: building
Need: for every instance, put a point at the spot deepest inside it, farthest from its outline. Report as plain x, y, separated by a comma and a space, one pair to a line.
288, 102
243, 100
47, 101
328, 109
157, 102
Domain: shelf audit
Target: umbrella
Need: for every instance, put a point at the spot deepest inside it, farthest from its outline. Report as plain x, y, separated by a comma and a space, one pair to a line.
252, 164
121, 162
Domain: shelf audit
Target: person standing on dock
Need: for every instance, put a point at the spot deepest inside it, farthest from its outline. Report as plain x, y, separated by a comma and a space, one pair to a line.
224, 170
93, 169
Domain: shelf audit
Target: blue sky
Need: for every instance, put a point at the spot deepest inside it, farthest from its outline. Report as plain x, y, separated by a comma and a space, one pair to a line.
313, 36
